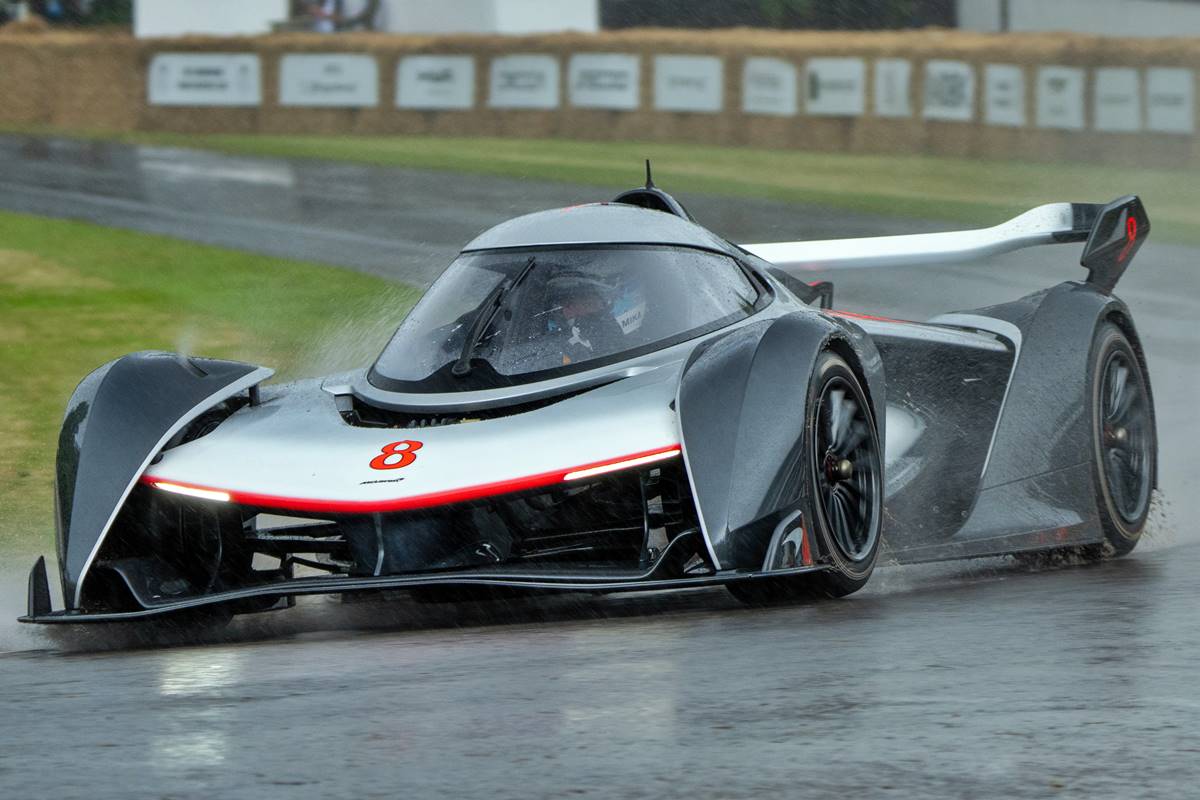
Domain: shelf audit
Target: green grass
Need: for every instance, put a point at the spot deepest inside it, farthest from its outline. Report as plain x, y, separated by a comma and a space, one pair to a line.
74, 295
970, 191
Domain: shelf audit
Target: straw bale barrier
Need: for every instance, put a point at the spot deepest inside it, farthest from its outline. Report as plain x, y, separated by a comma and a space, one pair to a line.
1028, 96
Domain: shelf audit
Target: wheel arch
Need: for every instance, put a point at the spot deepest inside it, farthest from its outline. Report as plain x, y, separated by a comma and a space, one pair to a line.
117, 420
859, 351
743, 456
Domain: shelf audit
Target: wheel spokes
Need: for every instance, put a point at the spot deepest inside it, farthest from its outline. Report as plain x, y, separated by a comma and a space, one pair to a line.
1118, 396
1118, 480
856, 436
842, 519
847, 463
1124, 438
852, 507
842, 413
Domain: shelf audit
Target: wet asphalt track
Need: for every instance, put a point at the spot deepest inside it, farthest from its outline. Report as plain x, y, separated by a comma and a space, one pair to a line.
976, 679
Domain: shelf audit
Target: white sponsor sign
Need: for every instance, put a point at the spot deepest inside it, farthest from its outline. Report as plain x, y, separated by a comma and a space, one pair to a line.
836, 87
204, 79
892, 77
1170, 100
769, 87
689, 83
1117, 99
435, 82
604, 80
159, 18
1060, 98
949, 91
339, 80
1004, 95
524, 81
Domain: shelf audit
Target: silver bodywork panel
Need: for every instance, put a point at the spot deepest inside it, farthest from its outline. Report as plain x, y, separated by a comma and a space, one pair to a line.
598, 223
295, 446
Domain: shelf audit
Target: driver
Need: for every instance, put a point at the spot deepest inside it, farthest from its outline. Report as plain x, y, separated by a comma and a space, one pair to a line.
582, 318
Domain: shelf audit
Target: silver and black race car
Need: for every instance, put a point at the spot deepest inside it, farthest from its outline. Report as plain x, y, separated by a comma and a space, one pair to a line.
610, 397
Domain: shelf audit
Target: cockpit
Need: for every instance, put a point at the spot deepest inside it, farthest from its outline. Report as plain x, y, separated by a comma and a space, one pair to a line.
517, 315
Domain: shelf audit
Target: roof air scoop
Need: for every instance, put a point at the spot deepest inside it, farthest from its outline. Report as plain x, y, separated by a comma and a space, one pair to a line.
650, 196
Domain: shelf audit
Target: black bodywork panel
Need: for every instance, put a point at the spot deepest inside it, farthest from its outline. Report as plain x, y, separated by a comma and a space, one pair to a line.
954, 391
1038, 487
1120, 229
652, 579
117, 419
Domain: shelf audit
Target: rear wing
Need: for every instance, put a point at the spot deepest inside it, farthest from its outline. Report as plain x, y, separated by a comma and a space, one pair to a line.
1113, 232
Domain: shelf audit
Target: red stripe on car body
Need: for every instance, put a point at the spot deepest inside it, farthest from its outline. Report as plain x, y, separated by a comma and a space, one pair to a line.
428, 500
874, 318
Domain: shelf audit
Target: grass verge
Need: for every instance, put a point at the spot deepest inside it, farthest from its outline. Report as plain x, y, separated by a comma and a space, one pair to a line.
970, 191
75, 295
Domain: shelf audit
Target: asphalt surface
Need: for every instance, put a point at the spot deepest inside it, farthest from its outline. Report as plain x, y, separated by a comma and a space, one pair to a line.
973, 679
395, 222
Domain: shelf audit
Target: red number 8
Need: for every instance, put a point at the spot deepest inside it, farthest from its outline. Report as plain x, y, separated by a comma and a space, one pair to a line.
404, 453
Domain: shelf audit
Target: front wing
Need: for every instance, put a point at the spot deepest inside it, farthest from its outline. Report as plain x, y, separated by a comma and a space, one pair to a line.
656, 578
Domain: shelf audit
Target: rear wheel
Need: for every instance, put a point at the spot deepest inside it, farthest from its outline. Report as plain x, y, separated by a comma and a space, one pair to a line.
845, 485
1124, 440
1124, 450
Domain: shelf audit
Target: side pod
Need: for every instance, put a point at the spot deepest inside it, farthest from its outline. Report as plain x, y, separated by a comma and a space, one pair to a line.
117, 420
1038, 476
742, 418
1057, 327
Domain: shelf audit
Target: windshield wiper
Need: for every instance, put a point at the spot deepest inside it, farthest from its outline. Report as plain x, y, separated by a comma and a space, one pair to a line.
488, 311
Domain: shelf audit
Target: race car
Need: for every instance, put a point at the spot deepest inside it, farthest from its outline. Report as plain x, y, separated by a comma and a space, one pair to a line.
610, 397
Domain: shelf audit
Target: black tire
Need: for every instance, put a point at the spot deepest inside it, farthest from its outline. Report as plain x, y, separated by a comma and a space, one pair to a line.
844, 484
1124, 441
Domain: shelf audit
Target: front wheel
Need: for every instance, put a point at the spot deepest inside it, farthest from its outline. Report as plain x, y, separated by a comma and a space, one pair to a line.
844, 485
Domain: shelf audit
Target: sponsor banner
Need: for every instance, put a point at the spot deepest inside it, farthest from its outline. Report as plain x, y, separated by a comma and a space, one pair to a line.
949, 91
204, 79
1117, 99
836, 87
892, 77
1060, 98
340, 80
434, 83
1004, 95
769, 87
1170, 100
689, 83
524, 81
604, 80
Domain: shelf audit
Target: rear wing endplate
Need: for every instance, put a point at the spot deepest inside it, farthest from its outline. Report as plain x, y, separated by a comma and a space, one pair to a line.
1113, 233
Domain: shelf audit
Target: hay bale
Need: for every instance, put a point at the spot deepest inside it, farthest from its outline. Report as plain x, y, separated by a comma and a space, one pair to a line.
32, 24
99, 80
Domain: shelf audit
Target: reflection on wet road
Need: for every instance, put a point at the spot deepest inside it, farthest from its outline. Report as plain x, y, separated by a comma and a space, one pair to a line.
974, 679
955, 680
